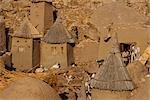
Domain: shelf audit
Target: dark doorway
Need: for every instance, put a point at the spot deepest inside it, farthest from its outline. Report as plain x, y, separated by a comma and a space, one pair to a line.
8, 31
125, 49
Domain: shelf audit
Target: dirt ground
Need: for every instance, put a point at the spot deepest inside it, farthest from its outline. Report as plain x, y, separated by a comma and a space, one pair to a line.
110, 95
57, 79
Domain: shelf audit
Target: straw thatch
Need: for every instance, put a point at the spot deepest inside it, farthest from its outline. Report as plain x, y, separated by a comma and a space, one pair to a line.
58, 34
112, 75
29, 89
27, 30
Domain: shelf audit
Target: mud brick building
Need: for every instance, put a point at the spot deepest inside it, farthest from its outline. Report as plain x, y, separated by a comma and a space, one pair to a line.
57, 46
41, 15
26, 46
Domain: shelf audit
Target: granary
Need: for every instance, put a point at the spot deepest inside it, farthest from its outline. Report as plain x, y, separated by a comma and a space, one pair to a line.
57, 46
2, 37
129, 25
26, 46
111, 76
29, 88
41, 15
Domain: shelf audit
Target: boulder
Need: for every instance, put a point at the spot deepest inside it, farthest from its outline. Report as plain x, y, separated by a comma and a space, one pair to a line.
29, 89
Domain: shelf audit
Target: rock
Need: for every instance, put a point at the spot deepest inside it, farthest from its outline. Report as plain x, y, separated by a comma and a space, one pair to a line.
72, 96
7, 59
2, 67
39, 70
56, 66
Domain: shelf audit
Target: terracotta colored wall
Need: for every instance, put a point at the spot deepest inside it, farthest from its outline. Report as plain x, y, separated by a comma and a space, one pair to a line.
41, 16
21, 53
49, 56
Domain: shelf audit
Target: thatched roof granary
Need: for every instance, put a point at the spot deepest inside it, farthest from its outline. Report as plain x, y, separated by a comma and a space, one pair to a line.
26, 46
58, 44
29, 89
112, 75
58, 34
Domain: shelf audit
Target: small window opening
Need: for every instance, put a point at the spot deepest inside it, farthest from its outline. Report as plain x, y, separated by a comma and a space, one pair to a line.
21, 49
54, 50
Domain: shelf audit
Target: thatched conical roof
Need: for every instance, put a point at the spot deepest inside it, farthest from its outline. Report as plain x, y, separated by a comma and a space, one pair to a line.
58, 34
112, 75
27, 30
29, 89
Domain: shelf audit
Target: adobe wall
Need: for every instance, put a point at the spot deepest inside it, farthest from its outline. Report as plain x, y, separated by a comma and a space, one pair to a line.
21, 53
138, 34
86, 54
37, 16
53, 53
48, 15
104, 47
109, 95
126, 35
41, 16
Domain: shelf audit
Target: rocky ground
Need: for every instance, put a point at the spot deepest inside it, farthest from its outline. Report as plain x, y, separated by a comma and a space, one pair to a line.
67, 82
70, 82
